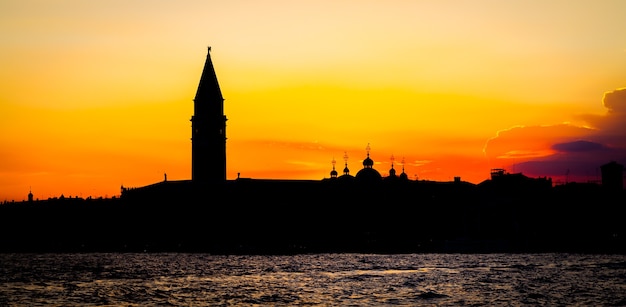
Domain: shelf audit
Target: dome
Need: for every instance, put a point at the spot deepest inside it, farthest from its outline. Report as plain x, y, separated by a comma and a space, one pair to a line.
333, 173
345, 178
368, 175
404, 176
368, 162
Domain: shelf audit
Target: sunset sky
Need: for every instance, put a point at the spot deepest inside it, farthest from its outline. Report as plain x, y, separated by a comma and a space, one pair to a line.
98, 94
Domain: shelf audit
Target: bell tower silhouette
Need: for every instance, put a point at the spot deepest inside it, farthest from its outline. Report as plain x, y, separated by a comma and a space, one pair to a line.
208, 129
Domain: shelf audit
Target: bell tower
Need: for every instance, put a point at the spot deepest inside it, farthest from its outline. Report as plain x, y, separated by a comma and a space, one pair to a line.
208, 129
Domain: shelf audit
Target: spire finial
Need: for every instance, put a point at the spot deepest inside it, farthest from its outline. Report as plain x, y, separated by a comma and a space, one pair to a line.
209, 48
392, 159
334, 162
346, 171
368, 149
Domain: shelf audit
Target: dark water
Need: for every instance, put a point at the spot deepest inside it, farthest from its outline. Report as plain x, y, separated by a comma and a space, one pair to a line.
102, 279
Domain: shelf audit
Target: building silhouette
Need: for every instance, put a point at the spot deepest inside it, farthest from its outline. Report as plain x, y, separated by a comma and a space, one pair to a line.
208, 156
612, 175
364, 212
208, 129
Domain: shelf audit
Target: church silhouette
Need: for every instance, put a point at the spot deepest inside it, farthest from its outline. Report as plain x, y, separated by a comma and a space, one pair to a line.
208, 159
364, 213
208, 151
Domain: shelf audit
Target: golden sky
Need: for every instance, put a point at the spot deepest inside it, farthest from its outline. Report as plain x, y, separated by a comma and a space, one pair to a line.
98, 94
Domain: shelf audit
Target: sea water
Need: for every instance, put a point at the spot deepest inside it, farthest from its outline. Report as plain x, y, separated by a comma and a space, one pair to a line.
172, 279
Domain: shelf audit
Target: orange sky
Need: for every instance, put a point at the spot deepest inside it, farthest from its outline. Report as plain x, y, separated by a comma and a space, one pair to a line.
98, 94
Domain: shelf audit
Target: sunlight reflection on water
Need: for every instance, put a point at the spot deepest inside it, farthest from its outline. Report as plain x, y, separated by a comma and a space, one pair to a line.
318, 279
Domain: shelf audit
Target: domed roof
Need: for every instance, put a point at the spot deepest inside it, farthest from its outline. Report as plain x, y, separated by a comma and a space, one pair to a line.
404, 176
368, 162
368, 175
345, 177
333, 173
346, 170
392, 172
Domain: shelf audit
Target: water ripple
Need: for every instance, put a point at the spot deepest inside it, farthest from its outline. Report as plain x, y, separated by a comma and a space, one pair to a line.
318, 279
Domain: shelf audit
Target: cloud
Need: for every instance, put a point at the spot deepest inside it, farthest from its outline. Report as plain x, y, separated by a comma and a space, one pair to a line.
578, 146
528, 142
420, 162
612, 126
615, 101
556, 150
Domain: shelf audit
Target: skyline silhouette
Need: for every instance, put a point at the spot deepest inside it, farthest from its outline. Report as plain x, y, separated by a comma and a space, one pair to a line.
359, 211
209, 163
451, 89
209, 148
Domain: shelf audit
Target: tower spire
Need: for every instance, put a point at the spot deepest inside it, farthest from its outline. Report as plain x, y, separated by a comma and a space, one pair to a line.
208, 128
208, 93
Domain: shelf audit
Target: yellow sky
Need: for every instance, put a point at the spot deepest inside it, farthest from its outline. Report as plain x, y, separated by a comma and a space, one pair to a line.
98, 94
